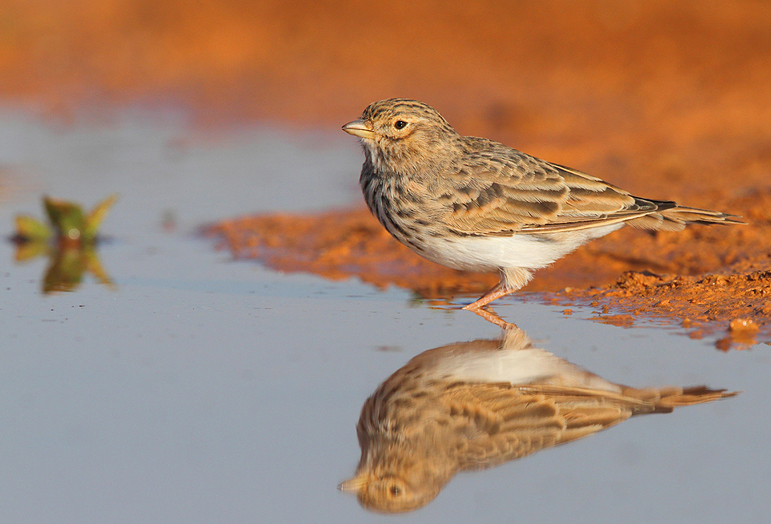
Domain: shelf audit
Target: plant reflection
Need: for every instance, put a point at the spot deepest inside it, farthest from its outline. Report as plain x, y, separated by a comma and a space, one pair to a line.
69, 241
67, 265
475, 405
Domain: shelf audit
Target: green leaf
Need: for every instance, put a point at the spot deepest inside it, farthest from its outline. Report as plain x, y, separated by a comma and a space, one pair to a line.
95, 217
66, 217
32, 229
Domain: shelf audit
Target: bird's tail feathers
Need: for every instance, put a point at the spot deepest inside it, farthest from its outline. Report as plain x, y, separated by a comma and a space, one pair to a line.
675, 218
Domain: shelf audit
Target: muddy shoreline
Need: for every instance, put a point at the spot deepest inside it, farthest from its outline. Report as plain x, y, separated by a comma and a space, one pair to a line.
707, 291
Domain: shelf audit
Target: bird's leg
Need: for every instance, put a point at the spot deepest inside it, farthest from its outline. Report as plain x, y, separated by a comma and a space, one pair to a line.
496, 292
511, 280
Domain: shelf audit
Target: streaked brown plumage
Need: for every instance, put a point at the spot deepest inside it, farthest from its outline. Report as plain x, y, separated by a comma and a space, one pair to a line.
479, 404
474, 204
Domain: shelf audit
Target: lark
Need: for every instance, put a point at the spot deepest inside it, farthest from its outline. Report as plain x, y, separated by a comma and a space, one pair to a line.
475, 405
474, 204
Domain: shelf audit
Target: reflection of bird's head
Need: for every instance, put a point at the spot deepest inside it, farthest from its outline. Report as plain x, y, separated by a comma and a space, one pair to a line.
407, 437
404, 136
390, 492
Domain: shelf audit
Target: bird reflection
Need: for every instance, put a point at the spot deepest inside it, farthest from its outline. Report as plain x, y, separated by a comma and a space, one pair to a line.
475, 405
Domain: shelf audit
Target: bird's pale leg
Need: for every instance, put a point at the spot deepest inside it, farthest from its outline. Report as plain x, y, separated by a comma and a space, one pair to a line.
511, 280
496, 292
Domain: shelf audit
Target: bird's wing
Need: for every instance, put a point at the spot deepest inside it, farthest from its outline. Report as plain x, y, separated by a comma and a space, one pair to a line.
593, 202
498, 191
505, 422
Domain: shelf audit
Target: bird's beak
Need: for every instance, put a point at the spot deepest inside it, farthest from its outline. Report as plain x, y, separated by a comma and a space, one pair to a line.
355, 484
358, 128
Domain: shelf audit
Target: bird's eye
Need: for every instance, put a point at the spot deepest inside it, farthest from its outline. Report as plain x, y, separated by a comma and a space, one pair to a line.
400, 124
395, 491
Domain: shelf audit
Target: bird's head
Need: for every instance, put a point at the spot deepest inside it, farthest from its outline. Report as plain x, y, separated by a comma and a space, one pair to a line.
404, 136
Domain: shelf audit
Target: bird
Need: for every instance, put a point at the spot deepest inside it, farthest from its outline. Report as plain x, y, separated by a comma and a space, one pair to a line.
474, 405
474, 204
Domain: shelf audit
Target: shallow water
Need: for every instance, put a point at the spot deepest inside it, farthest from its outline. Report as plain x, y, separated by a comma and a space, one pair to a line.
202, 389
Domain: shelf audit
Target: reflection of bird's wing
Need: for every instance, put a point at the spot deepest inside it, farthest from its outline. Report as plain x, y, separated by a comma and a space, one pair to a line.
506, 422
499, 191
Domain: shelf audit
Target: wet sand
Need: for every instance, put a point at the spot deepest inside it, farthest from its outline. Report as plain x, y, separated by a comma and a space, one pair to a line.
667, 100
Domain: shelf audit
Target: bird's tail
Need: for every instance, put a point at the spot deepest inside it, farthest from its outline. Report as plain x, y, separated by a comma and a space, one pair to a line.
671, 217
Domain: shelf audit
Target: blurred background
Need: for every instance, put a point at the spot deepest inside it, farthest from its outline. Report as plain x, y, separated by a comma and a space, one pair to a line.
678, 90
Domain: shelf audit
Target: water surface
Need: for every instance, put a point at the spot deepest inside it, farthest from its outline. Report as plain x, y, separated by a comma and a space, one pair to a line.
206, 390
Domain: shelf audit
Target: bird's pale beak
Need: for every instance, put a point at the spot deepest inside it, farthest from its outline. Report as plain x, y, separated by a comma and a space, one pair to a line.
358, 128
355, 484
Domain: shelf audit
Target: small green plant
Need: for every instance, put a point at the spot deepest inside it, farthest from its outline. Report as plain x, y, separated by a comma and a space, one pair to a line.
68, 223
69, 242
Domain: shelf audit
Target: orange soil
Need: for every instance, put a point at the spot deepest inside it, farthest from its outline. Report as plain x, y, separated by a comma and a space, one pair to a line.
669, 100
683, 289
